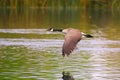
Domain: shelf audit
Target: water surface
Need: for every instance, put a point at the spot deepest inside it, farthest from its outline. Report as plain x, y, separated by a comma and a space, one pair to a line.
29, 52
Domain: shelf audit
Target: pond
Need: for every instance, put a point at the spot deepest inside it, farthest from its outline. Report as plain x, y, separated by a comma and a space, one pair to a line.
29, 52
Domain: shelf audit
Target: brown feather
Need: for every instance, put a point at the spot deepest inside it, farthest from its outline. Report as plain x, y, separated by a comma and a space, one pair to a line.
72, 37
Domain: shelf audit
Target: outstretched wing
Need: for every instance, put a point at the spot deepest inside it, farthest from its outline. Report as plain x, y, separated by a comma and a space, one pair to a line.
69, 45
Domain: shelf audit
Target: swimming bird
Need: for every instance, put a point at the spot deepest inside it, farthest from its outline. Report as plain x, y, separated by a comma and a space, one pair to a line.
72, 37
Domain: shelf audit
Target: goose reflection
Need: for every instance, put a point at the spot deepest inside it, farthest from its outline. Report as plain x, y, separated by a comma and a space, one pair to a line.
67, 76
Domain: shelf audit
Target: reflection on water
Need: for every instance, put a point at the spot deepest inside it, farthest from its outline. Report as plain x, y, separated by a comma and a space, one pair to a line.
67, 76
40, 18
24, 31
41, 59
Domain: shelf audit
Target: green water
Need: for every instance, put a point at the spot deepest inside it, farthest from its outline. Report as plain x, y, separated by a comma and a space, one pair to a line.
29, 52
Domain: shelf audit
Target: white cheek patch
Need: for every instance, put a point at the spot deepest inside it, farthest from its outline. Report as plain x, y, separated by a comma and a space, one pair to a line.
51, 30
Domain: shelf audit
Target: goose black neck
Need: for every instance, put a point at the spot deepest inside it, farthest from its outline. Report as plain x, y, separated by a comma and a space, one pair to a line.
59, 30
55, 30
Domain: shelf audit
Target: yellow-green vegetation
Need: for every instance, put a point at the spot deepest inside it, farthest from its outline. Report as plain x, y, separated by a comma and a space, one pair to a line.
57, 3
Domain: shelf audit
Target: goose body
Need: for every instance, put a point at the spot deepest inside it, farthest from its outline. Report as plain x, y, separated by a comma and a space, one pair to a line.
72, 37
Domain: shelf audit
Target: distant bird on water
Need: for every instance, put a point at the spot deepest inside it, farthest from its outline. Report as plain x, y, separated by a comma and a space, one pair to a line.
72, 37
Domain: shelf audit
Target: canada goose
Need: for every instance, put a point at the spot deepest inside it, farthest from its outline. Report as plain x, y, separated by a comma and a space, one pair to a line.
72, 37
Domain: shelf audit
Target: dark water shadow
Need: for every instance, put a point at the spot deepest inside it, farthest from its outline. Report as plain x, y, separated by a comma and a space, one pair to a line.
67, 76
